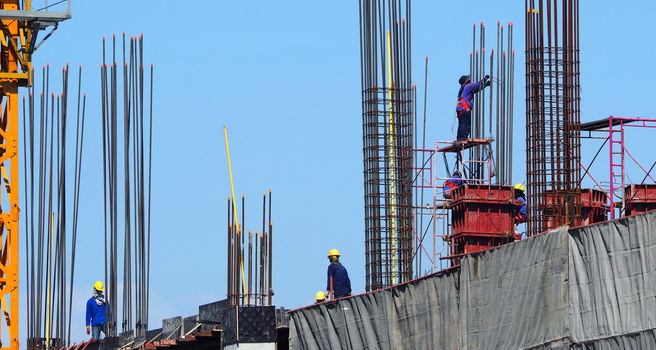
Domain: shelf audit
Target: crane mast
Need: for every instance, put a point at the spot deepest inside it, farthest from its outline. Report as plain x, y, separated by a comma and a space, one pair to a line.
20, 25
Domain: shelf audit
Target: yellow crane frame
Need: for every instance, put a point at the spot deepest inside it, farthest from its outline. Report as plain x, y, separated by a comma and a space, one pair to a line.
18, 31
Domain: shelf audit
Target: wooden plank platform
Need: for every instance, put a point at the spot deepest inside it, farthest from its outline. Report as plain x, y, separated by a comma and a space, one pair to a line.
458, 146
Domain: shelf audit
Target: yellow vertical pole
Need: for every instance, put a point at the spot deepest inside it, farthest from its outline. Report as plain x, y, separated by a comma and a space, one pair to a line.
234, 207
391, 157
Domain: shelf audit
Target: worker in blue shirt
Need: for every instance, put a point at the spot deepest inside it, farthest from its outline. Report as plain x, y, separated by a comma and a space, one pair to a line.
465, 100
338, 280
520, 204
451, 184
96, 307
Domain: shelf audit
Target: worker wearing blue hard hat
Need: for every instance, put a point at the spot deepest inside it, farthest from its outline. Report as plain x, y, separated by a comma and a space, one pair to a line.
465, 101
451, 184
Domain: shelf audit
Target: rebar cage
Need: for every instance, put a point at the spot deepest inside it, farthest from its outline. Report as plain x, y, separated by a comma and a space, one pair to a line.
553, 148
388, 170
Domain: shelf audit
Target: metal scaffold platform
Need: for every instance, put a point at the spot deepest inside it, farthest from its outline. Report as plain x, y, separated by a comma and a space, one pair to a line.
623, 199
477, 215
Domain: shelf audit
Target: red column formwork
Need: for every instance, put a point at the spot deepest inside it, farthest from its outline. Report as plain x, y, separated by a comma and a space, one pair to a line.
593, 206
639, 199
481, 218
552, 216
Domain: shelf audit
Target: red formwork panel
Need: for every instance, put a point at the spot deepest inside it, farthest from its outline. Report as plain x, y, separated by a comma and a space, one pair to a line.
483, 210
593, 206
482, 217
550, 217
639, 199
466, 244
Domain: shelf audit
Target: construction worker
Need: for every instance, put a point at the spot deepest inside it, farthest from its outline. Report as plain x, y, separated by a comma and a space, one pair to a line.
320, 297
520, 204
465, 100
339, 284
451, 184
96, 306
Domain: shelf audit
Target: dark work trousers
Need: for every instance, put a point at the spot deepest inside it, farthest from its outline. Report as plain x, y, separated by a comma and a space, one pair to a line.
464, 124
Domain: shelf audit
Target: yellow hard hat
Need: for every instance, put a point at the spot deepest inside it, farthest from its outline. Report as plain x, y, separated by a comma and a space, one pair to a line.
520, 187
333, 252
98, 286
321, 296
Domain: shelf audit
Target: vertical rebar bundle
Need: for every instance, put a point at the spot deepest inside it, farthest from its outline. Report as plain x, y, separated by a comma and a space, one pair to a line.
250, 274
492, 116
387, 127
129, 151
50, 250
553, 143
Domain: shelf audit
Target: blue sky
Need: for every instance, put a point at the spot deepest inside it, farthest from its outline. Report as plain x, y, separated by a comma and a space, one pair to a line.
285, 78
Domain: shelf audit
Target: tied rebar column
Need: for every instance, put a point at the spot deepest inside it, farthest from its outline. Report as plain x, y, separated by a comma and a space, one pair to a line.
497, 108
553, 144
387, 126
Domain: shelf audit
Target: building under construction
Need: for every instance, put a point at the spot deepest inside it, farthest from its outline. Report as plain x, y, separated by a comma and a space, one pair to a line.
445, 267
573, 279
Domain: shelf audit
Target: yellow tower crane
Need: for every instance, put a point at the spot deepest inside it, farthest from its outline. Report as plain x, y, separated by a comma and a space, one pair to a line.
20, 25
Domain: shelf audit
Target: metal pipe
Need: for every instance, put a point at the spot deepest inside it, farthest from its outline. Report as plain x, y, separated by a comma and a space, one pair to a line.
270, 254
250, 266
229, 246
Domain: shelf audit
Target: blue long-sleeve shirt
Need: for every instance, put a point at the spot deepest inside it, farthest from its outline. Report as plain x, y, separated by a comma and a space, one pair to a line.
522, 205
452, 184
341, 281
95, 313
468, 94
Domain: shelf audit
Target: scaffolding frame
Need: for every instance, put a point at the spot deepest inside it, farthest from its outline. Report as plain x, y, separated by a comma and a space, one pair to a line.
427, 176
615, 127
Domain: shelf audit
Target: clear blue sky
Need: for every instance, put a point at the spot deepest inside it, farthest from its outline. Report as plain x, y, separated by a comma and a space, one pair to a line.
285, 78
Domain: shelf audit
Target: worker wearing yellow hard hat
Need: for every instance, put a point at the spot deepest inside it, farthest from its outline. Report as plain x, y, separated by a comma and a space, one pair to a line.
96, 306
98, 286
338, 284
320, 297
520, 204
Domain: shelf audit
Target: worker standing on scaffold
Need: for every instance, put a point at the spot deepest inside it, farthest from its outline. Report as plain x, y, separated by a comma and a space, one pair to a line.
465, 100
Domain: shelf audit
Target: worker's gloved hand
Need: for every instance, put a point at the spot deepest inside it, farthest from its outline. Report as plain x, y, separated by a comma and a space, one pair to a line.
487, 80
88, 330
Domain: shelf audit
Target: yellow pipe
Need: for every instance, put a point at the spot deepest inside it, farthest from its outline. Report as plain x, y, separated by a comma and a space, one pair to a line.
391, 156
234, 207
